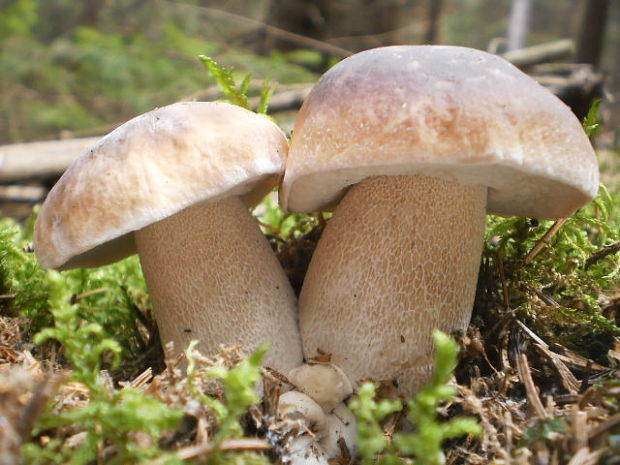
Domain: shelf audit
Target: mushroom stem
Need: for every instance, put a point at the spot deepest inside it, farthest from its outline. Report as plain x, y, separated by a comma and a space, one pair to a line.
212, 276
399, 258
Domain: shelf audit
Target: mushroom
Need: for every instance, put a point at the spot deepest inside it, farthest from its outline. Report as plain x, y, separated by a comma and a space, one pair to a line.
316, 434
412, 145
175, 185
324, 382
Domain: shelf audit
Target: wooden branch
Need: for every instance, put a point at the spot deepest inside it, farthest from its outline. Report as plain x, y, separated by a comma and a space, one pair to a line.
22, 194
286, 36
542, 53
286, 100
602, 253
37, 160
40, 159
525, 376
544, 241
594, 20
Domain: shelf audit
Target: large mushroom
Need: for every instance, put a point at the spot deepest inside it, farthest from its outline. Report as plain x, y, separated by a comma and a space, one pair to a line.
175, 185
412, 145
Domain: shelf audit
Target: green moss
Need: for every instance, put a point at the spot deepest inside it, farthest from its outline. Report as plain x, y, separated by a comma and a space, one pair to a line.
424, 445
120, 290
237, 94
110, 416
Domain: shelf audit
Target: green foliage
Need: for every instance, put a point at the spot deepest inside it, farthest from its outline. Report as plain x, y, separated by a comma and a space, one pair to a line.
239, 385
592, 123
83, 344
122, 291
18, 18
20, 275
425, 443
543, 430
60, 72
557, 292
369, 414
287, 225
237, 94
110, 416
266, 93
225, 81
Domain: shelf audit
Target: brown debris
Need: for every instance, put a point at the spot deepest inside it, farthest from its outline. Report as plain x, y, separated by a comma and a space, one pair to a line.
514, 379
10, 339
530, 388
24, 393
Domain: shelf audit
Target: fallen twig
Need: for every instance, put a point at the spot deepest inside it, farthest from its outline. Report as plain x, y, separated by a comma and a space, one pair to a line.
77, 297
602, 253
286, 36
568, 379
530, 388
192, 452
544, 241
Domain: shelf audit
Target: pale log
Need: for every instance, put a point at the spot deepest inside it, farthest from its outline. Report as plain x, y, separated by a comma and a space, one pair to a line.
40, 159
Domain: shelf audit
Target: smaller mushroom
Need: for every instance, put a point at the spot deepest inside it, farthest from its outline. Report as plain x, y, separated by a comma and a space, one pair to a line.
175, 185
297, 406
318, 434
340, 425
326, 383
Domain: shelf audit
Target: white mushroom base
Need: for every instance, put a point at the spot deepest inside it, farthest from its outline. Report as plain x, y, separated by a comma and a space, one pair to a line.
399, 258
314, 433
213, 277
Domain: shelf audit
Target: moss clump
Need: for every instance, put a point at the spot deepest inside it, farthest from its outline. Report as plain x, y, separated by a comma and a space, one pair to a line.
425, 444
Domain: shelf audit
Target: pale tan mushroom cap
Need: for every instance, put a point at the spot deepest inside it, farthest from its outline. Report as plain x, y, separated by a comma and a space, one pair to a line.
448, 112
325, 383
151, 167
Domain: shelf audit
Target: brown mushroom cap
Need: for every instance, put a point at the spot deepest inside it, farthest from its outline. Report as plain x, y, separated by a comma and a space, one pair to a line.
150, 168
447, 112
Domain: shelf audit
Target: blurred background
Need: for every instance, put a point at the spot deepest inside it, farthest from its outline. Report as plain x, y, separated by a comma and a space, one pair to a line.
75, 69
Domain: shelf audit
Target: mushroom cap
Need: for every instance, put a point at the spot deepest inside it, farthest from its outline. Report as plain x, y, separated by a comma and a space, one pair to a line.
297, 406
326, 429
305, 450
448, 112
341, 423
325, 383
150, 168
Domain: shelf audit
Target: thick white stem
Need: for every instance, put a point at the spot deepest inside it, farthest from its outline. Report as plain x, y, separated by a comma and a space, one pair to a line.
399, 258
213, 277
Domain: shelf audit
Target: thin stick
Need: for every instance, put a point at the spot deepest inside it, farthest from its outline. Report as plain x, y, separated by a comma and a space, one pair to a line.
579, 426
287, 36
602, 253
530, 388
608, 424
192, 452
76, 297
500, 265
544, 241
568, 379
585, 457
